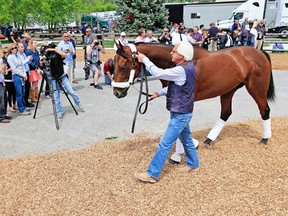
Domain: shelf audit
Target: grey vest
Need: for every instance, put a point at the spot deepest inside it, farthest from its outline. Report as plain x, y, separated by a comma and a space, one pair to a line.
180, 99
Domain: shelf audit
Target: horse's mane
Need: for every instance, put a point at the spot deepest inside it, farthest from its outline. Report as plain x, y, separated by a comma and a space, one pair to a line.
165, 45
152, 44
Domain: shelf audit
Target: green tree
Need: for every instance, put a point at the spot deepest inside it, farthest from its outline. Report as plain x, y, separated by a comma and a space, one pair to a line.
18, 12
135, 14
51, 13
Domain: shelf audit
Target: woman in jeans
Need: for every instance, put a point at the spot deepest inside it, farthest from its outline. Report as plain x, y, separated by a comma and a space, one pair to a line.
19, 77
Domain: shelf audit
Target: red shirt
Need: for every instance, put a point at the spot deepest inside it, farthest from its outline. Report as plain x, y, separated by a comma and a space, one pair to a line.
107, 68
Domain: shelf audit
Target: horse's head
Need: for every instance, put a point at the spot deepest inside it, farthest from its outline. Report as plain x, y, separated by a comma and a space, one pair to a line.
126, 69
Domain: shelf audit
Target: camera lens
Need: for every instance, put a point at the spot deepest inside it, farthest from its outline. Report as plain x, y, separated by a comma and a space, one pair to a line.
96, 43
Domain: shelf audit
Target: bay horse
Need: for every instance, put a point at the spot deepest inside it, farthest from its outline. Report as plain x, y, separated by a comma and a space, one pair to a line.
219, 73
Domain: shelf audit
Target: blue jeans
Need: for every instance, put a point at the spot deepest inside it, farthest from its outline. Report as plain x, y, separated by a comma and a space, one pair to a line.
107, 80
178, 127
19, 84
67, 86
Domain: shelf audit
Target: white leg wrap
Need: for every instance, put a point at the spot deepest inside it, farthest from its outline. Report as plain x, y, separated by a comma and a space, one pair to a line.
196, 142
217, 128
179, 148
176, 157
266, 128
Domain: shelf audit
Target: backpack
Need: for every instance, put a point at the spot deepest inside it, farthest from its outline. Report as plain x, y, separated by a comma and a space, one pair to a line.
222, 41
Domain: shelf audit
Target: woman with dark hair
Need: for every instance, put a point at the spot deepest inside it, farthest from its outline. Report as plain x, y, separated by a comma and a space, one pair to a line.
9, 83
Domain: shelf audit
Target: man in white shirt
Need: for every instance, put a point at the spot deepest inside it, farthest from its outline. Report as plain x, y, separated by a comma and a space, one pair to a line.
179, 36
229, 42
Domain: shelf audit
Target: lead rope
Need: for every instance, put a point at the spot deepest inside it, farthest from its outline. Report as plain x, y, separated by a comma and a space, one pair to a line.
138, 107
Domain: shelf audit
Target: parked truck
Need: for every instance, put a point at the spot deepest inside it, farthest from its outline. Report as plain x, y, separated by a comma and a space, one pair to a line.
93, 21
275, 12
195, 14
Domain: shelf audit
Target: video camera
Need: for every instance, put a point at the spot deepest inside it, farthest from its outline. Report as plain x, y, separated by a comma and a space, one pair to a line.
50, 54
52, 60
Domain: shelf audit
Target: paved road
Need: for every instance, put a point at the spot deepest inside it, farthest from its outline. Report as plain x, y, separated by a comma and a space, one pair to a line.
107, 116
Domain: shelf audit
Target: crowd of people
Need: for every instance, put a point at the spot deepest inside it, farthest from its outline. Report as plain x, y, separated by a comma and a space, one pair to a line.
249, 33
21, 68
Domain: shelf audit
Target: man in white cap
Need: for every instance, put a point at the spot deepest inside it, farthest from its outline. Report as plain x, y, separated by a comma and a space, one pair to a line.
180, 102
122, 39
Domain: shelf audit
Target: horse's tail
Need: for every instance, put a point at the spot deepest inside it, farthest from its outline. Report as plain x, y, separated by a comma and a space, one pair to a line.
271, 90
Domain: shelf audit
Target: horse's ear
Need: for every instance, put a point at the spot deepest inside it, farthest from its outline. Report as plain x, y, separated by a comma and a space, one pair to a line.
118, 44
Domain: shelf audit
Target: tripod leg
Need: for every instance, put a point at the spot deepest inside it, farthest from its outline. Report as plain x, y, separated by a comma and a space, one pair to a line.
66, 94
53, 100
41, 87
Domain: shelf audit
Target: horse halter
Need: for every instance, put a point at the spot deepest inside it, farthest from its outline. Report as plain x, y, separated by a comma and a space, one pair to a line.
132, 72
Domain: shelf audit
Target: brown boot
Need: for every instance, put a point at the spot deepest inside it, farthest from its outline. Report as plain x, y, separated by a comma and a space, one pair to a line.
33, 99
36, 93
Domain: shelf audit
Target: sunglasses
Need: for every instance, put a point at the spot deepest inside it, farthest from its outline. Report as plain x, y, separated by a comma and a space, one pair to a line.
13, 48
123, 36
66, 36
4, 52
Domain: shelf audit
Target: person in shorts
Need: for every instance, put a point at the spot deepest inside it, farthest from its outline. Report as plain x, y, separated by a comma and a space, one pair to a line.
93, 57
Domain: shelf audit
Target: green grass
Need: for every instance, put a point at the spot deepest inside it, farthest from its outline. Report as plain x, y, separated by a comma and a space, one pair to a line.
111, 138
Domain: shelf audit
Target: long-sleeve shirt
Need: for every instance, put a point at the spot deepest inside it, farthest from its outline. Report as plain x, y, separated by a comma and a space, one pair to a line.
176, 74
63, 46
15, 63
25, 61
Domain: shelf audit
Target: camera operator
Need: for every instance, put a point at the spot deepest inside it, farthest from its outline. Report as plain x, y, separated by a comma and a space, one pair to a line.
67, 47
93, 56
56, 57
165, 37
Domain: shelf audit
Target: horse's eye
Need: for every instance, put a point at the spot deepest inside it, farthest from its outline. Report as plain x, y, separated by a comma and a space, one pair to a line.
122, 68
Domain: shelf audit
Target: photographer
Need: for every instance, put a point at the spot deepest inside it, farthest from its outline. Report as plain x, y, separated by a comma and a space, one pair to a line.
88, 40
93, 57
165, 37
58, 76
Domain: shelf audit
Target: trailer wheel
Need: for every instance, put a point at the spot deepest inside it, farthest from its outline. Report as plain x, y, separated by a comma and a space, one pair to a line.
284, 32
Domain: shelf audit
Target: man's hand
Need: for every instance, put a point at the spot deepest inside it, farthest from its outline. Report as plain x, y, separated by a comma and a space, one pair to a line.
140, 57
154, 95
50, 49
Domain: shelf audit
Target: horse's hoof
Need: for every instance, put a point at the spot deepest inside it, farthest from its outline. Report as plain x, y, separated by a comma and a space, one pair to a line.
207, 141
263, 141
173, 162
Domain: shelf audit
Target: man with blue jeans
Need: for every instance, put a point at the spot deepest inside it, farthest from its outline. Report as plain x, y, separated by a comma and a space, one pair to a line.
180, 102
60, 78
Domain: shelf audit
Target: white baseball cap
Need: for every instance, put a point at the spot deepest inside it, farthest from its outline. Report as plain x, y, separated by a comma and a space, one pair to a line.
122, 34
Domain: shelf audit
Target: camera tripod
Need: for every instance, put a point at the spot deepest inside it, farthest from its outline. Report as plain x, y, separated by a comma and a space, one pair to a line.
47, 72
